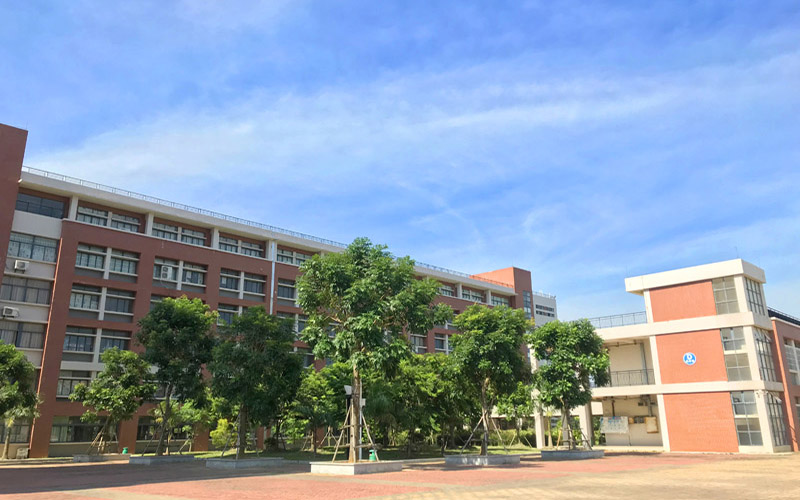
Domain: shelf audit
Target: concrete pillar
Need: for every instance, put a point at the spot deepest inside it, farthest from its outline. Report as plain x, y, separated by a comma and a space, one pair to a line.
148, 224
541, 429
460, 291
214, 237
488, 297
73, 208
587, 426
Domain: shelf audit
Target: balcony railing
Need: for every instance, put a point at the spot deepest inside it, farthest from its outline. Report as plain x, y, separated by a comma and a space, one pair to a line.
632, 377
627, 319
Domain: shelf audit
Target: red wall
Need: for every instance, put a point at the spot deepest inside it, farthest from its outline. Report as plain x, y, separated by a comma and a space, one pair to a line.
701, 422
706, 345
790, 391
692, 300
12, 151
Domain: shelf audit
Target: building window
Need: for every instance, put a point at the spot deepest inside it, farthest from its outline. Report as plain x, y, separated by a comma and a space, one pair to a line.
124, 262
777, 421
229, 280
155, 299
548, 311
419, 344
447, 291
79, 343
20, 432
227, 312
737, 363
38, 205
111, 339
286, 292
291, 257
745, 414
792, 349
194, 274
441, 343
766, 363
30, 247
68, 379
235, 245
193, 237
22, 335
90, 257
527, 303
125, 223
254, 283
165, 270
308, 356
92, 216
499, 301
165, 231
25, 290
85, 297
73, 430
472, 295
725, 295
755, 296
119, 301
229, 244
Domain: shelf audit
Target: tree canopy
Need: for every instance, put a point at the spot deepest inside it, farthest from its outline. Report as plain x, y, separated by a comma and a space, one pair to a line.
488, 352
571, 358
254, 368
359, 303
18, 398
176, 335
118, 391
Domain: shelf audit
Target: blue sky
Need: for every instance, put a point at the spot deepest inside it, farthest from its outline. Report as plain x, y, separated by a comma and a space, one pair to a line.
585, 141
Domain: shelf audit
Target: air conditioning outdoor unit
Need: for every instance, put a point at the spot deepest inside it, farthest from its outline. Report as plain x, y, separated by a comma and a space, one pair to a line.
21, 265
10, 312
22, 453
166, 273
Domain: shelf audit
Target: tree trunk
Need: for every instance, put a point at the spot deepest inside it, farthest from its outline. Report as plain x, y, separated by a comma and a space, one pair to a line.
242, 440
566, 428
485, 414
7, 442
164, 421
355, 419
314, 439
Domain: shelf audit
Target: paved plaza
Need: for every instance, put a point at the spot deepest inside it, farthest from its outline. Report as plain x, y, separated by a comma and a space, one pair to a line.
641, 476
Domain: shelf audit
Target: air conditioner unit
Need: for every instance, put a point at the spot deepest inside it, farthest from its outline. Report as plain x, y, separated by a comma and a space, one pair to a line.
10, 312
22, 453
166, 273
21, 265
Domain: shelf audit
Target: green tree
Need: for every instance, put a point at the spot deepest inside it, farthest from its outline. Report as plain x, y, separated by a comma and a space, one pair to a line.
488, 352
254, 368
177, 338
518, 405
367, 299
18, 398
315, 403
117, 392
572, 357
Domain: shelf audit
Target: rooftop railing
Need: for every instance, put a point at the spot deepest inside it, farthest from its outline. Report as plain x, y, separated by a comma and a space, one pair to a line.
616, 320
238, 220
774, 313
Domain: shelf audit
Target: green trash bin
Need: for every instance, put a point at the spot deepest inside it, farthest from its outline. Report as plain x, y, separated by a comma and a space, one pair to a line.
372, 457
125, 450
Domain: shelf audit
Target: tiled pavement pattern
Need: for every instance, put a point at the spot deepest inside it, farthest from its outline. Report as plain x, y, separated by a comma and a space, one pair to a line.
645, 476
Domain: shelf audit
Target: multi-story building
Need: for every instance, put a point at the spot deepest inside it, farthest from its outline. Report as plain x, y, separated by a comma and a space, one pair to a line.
82, 263
706, 367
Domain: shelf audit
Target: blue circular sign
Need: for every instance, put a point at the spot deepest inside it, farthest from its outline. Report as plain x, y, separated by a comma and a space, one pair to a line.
689, 358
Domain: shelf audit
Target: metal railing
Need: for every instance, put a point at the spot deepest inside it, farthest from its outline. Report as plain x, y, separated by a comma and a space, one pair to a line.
631, 377
774, 313
238, 220
616, 320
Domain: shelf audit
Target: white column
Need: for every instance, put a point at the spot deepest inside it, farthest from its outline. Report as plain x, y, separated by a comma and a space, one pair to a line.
179, 277
460, 291
214, 237
489, 297
148, 224
587, 426
539, 427
73, 208
662, 422
272, 250
764, 421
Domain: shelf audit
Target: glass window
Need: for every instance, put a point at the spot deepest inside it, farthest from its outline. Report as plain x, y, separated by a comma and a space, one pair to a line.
91, 257
755, 296
792, 350
748, 428
725, 295
252, 249
68, 379
193, 237
228, 244
227, 312
499, 301
20, 432
119, 301
85, 297
113, 342
38, 205
125, 222
473, 295
22, 335
527, 302
286, 289
229, 279
194, 274
285, 256
25, 290
541, 310
447, 291
766, 363
124, 262
78, 343
165, 269
92, 216
165, 231
737, 366
419, 344
777, 420
441, 343
254, 283
732, 339
30, 247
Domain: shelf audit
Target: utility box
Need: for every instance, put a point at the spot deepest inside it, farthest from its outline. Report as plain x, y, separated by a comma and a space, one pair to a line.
22, 453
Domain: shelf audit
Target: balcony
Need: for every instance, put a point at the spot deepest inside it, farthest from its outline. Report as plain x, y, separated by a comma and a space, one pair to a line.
632, 377
616, 320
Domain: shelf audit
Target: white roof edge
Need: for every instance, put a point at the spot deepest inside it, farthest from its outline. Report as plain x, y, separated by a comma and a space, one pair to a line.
734, 267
